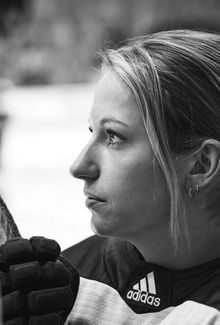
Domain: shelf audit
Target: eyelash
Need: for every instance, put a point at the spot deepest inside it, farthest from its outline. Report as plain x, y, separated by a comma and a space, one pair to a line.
109, 133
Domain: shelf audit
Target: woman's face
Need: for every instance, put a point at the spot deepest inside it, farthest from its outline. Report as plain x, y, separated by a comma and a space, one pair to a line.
126, 192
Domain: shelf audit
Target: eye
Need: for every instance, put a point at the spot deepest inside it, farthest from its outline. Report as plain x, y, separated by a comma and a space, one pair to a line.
113, 138
90, 129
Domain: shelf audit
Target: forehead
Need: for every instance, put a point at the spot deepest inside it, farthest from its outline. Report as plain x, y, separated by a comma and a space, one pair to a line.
113, 98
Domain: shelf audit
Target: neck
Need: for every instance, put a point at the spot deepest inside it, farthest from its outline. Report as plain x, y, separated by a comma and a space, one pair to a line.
203, 246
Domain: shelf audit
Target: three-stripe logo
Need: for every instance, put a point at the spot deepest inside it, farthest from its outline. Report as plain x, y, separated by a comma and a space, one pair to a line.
146, 284
144, 291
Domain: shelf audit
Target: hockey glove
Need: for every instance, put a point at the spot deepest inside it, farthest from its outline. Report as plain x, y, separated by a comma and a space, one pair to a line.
39, 287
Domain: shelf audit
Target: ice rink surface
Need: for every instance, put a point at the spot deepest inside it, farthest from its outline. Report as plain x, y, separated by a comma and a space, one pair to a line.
46, 130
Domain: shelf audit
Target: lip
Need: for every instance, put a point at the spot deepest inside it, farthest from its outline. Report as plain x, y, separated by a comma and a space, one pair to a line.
94, 197
93, 201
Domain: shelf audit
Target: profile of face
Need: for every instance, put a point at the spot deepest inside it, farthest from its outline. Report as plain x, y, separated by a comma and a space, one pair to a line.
125, 189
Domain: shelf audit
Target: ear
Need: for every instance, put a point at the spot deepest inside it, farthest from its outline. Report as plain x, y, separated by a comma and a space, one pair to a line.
204, 165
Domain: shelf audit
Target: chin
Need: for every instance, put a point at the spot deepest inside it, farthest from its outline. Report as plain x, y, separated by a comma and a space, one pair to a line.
100, 228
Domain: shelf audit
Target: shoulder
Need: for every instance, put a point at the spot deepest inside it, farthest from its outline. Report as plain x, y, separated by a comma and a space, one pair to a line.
87, 256
90, 247
102, 259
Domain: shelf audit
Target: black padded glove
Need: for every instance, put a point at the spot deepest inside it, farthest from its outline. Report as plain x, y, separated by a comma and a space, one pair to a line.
39, 287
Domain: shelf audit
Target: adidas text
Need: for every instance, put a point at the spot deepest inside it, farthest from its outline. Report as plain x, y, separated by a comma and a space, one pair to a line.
143, 297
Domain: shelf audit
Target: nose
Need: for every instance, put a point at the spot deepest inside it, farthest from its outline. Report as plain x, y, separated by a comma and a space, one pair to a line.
86, 166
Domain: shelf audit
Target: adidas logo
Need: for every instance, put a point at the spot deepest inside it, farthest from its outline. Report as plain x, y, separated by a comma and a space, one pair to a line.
145, 291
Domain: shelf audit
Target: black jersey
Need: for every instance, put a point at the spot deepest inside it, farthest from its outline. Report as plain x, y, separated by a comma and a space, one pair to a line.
115, 276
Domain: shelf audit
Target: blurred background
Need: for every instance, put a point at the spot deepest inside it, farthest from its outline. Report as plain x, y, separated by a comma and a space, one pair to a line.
48, 70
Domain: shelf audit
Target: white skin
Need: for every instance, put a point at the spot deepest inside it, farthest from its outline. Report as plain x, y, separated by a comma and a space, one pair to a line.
125, 188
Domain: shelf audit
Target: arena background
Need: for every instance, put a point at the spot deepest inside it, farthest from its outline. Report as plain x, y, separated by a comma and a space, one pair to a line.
48, 70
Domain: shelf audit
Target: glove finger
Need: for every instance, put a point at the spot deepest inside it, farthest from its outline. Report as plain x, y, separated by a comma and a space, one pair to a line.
13, 305
64, 274
50, 300
5, 282
49, 319
26, 276
56, 274
3, 264
44, 248
17, 250
17, 321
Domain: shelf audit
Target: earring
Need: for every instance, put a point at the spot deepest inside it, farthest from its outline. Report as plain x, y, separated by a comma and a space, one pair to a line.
193, 192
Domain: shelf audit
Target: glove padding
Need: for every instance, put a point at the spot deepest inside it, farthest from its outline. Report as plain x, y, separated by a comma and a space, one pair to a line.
39, 286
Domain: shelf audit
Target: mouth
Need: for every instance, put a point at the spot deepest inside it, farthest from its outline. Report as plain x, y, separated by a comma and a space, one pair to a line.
93, 201
95, 198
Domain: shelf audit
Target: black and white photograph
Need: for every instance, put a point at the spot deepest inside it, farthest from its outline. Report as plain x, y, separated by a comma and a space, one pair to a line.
109, 162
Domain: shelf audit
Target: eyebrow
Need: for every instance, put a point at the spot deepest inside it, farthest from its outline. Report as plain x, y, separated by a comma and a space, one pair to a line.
105, 120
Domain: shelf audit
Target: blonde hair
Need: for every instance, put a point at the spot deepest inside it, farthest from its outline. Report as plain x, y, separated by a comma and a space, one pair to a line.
175, 78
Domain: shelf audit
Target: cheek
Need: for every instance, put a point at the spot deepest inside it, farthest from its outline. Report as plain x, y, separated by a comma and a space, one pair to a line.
141, 190
137, 198
138, 186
